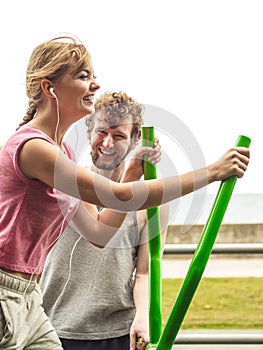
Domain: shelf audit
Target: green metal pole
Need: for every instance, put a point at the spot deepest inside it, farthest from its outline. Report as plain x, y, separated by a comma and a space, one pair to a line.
199, 260
154, 246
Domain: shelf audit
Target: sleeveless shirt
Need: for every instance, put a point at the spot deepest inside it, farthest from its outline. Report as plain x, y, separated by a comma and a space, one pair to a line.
32, 214
88, 291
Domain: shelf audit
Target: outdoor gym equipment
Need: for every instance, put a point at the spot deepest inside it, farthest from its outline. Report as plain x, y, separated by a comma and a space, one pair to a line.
154, 246
199, 261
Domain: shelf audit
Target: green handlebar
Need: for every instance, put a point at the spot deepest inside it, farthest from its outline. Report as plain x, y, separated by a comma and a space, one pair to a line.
154, 246
200, 259
148, 141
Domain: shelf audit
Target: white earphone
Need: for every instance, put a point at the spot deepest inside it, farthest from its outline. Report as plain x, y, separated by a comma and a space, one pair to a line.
51, 90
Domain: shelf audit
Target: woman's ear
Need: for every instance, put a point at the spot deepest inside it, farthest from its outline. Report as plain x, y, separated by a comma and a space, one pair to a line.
47, 87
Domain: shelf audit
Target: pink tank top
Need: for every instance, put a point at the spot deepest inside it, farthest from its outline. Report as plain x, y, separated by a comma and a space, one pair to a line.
32, 214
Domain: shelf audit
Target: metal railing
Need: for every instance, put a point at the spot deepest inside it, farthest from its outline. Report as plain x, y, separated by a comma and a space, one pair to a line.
218, 337
224, 248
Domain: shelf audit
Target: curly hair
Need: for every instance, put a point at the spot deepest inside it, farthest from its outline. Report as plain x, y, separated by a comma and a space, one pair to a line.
52, 60
115, 108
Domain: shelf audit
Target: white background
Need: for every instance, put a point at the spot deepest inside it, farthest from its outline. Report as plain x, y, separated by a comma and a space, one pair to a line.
200, 60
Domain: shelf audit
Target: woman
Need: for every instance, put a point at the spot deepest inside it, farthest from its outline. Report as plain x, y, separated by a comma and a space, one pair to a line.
42, 189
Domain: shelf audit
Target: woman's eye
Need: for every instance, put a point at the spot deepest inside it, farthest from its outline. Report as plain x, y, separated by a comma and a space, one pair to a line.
84, 76
88, 76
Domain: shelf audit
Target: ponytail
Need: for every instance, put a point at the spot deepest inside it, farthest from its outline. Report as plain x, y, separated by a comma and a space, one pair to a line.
30, 113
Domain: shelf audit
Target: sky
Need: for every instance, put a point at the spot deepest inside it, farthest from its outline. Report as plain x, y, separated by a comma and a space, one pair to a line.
197, 66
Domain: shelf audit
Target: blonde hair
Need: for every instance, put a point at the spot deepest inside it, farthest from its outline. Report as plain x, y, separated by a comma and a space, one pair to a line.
52, 60
114, 108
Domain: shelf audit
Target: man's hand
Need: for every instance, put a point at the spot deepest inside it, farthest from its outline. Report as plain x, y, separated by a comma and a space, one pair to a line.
134, 170
139, 333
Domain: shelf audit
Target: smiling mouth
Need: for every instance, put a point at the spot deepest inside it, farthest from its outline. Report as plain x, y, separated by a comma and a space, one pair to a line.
89, 98
105, 153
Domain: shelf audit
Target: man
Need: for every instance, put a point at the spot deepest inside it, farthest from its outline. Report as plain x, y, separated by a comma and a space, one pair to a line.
97, 298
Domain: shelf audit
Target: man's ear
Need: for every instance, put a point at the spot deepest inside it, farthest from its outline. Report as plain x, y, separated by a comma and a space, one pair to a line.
135, 140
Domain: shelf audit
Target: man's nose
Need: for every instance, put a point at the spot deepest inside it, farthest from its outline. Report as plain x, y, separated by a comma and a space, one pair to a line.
108, 141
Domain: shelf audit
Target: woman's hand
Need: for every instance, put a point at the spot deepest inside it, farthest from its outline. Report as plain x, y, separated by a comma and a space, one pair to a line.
233, 162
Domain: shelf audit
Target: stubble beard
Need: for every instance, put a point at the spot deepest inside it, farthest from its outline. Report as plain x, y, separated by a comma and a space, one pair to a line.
105, 165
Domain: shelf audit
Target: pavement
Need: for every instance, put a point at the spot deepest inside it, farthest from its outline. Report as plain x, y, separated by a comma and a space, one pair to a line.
216, 267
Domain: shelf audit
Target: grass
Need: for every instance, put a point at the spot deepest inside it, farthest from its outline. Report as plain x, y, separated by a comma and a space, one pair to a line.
219, 303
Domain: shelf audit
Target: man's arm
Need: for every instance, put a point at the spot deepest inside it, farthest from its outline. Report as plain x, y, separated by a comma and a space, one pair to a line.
140, 325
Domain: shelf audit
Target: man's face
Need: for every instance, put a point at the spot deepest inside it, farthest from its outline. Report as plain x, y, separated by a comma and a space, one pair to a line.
110, 145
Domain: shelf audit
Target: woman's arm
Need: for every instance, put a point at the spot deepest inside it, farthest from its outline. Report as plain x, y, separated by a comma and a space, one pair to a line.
43, 161
98, 226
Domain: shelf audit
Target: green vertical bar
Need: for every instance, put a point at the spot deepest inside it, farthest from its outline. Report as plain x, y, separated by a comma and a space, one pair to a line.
154, 245
200, 259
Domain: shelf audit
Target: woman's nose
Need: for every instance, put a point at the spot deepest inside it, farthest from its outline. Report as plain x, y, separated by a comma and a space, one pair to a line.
94, 85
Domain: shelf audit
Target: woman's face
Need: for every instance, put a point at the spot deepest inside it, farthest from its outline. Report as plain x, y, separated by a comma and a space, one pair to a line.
76, 94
